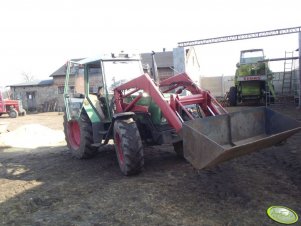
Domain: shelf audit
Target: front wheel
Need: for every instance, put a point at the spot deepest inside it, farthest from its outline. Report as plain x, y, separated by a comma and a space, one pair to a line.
13, 113
128, 146
23, 113
79, 135
233, 96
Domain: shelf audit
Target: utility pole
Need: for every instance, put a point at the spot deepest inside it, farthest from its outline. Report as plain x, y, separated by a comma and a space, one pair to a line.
299, 106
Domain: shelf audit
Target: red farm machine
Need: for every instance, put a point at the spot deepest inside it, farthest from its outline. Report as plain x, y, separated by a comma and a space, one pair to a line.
111, 98
13, 108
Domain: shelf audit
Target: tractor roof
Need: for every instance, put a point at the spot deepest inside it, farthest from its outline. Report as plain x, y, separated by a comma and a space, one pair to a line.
109, 57
251, 50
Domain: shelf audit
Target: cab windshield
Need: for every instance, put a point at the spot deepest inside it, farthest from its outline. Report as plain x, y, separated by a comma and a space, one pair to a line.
251, 57
120, 71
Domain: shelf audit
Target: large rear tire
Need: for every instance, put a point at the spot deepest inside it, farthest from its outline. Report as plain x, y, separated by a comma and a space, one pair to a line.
233, 96
128, 146
79, 135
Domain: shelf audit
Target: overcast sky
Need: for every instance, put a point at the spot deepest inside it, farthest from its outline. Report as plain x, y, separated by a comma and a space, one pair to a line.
39, 36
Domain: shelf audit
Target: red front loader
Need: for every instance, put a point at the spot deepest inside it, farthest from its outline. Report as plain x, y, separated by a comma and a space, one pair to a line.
138, 112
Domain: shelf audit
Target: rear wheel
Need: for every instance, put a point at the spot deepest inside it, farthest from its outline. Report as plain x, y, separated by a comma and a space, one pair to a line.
233, 96
128, 146
13, 113
78, 135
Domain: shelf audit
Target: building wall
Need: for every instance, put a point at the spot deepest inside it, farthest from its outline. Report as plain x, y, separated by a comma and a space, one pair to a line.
218, 86
192, 66
165, 73
179, 59
186, 60
59, 83
43, 95
58, 86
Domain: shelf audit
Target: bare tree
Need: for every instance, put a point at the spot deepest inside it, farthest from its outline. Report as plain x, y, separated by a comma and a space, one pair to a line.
6, 92
27, 77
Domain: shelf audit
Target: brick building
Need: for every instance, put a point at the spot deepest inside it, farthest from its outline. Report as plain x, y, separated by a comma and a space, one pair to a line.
164, 61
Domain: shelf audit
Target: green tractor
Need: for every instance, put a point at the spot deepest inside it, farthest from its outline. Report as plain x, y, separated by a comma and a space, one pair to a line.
253, 80
110, 98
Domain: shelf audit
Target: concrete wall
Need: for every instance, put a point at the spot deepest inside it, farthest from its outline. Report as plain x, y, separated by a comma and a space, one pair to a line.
278, 80
218, 86
296, 82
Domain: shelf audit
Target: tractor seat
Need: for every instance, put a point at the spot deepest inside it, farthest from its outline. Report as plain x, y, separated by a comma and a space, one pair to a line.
98, 105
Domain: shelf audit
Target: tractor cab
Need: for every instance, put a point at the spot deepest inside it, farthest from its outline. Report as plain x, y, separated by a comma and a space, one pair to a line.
251, 56
90, 83
88, 93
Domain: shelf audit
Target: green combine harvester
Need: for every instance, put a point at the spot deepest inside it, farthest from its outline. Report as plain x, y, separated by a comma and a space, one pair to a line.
253, 80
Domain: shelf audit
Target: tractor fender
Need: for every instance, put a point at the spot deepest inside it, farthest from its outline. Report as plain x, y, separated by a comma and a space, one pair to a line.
124, 115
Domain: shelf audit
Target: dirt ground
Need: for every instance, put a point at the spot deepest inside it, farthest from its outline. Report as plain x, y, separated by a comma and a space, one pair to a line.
46, 186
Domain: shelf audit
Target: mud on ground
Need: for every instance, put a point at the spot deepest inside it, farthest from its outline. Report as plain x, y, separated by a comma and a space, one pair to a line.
46, 186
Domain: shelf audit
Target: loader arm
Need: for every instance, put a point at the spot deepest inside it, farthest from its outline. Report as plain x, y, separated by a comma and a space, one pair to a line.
209, 103
169, 109
145, 83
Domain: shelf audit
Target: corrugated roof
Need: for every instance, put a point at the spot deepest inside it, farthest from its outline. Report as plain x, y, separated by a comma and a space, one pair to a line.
163, 59
34, 83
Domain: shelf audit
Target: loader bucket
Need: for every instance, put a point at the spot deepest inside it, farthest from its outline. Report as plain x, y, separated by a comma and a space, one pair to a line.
212, 140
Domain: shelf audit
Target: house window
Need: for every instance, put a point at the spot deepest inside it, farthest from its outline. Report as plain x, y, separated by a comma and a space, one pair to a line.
60, 89
93, 89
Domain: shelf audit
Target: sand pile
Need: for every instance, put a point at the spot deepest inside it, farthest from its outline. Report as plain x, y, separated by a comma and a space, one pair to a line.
32, 136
